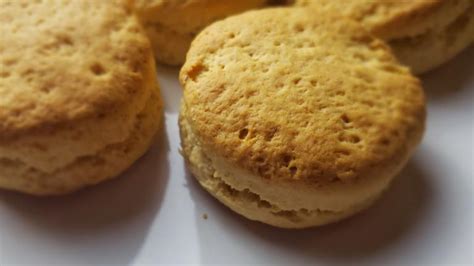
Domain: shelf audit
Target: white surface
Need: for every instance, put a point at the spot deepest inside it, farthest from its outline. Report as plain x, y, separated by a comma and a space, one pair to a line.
153, 214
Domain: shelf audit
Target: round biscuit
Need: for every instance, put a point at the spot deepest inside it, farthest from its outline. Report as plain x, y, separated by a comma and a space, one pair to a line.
76, 79
296, 119
172, 24
422, 33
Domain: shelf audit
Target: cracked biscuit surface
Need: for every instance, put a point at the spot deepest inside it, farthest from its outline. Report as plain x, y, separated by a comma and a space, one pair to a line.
79, 98
296, 120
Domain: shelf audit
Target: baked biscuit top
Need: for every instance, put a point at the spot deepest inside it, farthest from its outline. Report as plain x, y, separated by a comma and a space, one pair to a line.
64, 61
291, 94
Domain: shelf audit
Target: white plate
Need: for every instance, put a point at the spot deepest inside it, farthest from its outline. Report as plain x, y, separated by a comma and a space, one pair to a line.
153, 214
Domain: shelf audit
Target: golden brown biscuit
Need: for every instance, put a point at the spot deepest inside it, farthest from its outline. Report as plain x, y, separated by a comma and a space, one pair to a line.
79, 98
173, 24
422, 33
296, 119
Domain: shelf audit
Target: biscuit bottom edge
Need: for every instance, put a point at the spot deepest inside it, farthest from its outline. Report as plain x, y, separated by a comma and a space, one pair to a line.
250, 204
85, 171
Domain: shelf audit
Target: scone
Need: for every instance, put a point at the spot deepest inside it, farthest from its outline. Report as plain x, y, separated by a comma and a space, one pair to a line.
79, 101
422, 33
295, 118
173, 24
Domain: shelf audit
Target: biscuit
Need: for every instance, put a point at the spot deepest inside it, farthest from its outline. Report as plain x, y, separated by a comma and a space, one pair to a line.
423, 33
79, 98
172, 24
295, 118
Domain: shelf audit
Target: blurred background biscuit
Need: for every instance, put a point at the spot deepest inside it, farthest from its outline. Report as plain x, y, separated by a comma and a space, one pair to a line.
422, 33
172, 24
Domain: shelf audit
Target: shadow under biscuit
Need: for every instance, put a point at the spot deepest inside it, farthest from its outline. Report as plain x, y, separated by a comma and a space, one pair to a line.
103, 224
384, 224
450, 78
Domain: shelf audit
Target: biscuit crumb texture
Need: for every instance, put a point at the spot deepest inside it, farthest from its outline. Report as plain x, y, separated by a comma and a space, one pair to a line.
172, 25
77, 80
304, 107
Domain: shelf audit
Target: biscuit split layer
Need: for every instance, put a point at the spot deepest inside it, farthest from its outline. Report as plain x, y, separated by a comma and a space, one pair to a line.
258, 200
90, 169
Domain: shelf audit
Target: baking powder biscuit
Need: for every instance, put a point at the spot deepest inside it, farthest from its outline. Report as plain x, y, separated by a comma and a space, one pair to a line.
423, 33
173, 24
79, 101
295, 118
